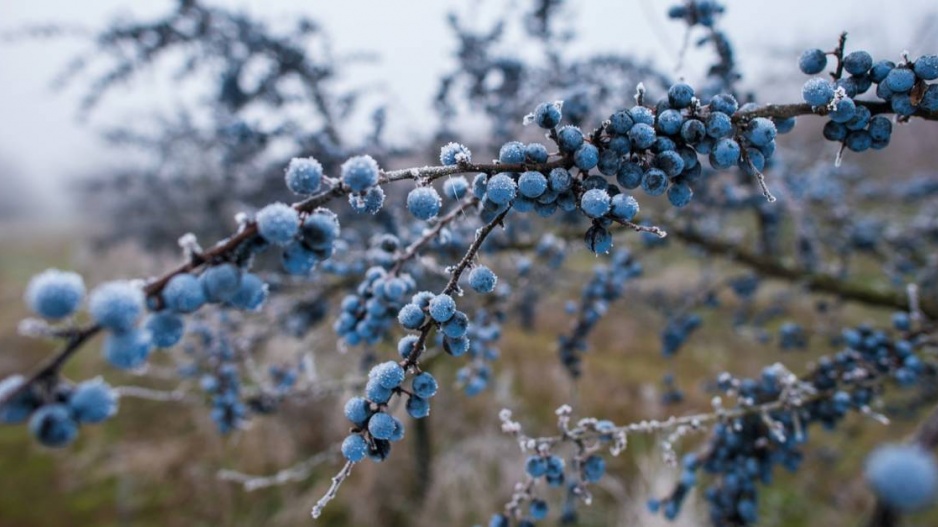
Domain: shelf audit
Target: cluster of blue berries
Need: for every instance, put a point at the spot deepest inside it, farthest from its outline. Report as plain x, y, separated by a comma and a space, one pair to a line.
360, 174
676, 332
375, 429
55, 411
483, 336
852, 123
743, 451
368, 314
605, 286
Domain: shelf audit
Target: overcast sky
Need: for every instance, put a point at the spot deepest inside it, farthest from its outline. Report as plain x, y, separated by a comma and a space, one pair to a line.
41, 139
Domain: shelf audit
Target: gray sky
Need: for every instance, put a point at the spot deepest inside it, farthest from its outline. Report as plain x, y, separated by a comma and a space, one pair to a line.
41, 139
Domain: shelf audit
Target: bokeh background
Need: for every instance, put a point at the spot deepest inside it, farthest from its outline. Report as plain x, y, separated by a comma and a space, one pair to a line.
157, 463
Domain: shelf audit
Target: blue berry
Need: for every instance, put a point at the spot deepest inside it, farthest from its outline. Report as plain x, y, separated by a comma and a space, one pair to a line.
53, 426
536, 153
693, 131
376, 393
761, 131
593, 468
425, 386
424, 203
901, 103
252, 293
482, 279
304, 175
442, 307
844, 111
357, 410
680, 194
595, 203
858, 62
812, 61
642, 115
538, 509
405, 346
569, 138
116, 305
834, 131
501, 189
92, 402
418, 407
20, 407
880, 128
680, 95
367, 202
670, 162
388, 374
55, 294
127, 350
278, 223
320, 230
166, 329
669, 122
297, 260
725, 154
905, 477
511, 153
456, 347
456, 326
724, 103
586, 157
879, 70
547, 115
620, 122
532, 184
654, 182
382, 426
929, 102
360, 173
900, 80
598, 239
642, 136
536, 466
719, 125
926, 67
220, 282
455, 187
183, 293
451, 153
354, 448
858, 141
629, 175
411, 316
560, 180
624, 207
817, 92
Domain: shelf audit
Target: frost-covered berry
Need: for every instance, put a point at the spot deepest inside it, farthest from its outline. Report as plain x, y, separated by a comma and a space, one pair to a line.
642, 115
547, 115
598, 239
669, 122
858, 62
654, 182
252, 292
725, 154
900, 80
680, 95
388, 374
623, 207
357, 410
536, 466
456, 326
595, 203
298, 260
532, 184
569, 138
418, 407
411, 316
812, 61
905, 477
724, 103
376, 393
536, 153
560, 180
354, 448
482, 279
761, 131
845, 110
183, 293
166, 328
424, 203
456, 347
278, 223
116, 305
424, 385
586, 157
817, 92
501, 189
442, 308
55, 294
127, 350
926, 67
304, 175
593, 468
455, 187
452, 153
360, 173
220, 282
92, 402
382, 426
642, 136
53, 426
511, 153
719, 125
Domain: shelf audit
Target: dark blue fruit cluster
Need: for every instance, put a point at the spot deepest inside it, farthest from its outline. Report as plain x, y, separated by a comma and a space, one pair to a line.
854, 123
